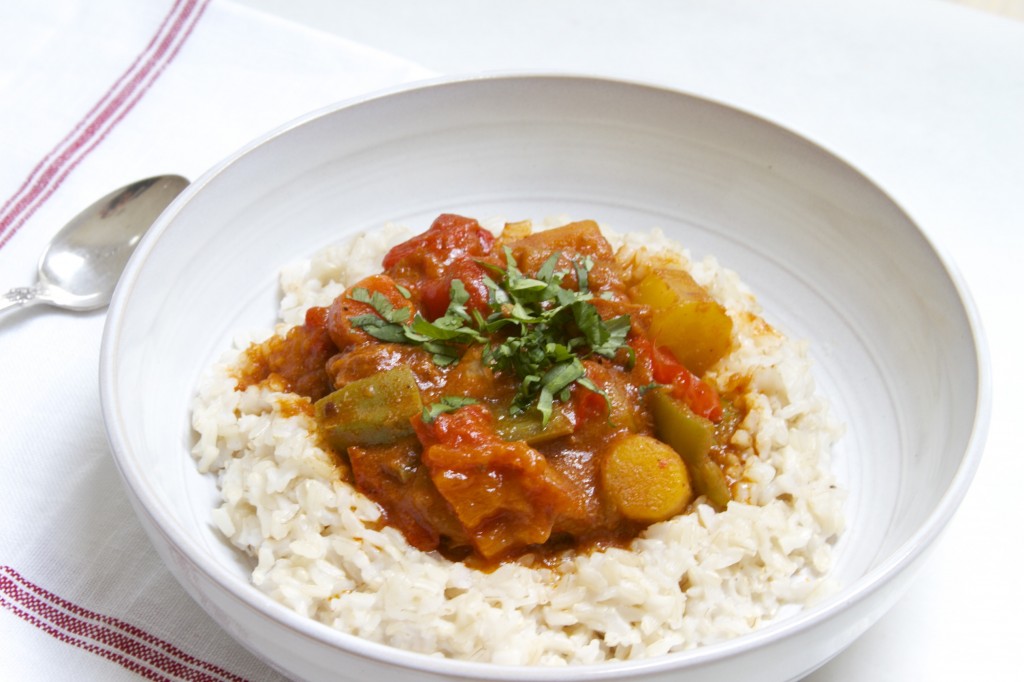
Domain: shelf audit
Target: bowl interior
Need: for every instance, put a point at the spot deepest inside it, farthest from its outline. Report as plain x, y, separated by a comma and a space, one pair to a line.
832, 259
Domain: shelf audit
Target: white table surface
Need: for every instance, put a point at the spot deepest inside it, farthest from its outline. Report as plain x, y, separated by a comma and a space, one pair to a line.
924, 96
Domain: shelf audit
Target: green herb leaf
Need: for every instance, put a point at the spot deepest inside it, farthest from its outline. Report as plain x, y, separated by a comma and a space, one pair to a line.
448, 403
556, 382
380, 303
379, 328
610, 336
458, 297
583, 268
650, 387
547, 271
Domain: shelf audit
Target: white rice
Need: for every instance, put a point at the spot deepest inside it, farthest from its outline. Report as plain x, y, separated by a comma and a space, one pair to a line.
699, 578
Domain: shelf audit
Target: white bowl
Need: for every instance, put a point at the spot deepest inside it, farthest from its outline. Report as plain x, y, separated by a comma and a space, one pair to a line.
894, 337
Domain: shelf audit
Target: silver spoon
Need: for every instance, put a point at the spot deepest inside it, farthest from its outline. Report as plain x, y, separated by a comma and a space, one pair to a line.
80, 267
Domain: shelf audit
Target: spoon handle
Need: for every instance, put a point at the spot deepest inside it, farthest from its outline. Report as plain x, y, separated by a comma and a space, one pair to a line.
19, 297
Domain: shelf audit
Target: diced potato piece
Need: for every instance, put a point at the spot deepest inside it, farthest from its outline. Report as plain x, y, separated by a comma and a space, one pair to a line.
692, 437
581, 237
516, 230
373, 410
529, 426
572, 240
644, 479
686, 320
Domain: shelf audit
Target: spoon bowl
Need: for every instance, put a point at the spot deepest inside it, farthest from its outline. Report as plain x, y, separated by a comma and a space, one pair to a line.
82, 264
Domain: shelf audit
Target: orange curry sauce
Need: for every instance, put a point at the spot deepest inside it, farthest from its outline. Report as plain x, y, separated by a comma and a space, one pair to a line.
451, 483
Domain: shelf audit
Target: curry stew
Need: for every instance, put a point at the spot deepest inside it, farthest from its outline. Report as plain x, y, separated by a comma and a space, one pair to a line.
515, 395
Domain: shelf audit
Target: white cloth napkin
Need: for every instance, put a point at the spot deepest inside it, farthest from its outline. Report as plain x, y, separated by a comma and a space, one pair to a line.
96, 95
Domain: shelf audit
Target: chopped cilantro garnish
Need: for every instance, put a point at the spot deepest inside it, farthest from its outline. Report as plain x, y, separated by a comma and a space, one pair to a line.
537, 329
441, 337
548, 329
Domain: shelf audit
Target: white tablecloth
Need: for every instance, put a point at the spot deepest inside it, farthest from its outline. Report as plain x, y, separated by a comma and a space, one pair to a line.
924, 96
96, 95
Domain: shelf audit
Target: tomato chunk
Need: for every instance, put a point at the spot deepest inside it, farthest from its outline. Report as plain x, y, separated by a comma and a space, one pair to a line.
344, 308
297, 360
503, 492
435, 294
392, 476
427, 256
684, 384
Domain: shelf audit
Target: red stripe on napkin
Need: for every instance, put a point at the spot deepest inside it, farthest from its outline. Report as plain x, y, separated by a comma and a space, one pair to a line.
111, 638
104, 116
